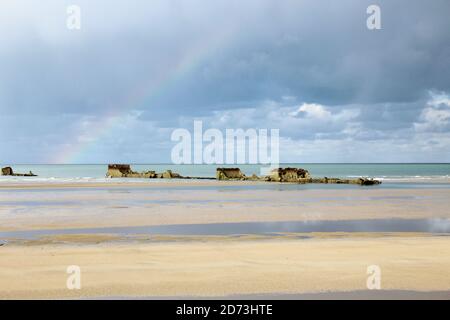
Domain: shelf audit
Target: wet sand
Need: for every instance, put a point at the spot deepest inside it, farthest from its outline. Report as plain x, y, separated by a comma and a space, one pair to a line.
321, 264
79, 206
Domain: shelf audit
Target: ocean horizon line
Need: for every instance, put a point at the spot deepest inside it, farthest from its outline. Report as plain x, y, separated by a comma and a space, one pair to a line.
223, 164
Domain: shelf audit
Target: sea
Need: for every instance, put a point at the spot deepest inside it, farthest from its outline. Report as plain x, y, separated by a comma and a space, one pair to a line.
387, 172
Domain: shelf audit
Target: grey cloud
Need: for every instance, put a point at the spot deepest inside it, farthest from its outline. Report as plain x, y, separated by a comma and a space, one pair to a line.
172, 62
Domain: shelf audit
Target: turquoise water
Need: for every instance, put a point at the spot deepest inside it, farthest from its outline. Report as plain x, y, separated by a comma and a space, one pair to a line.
397, 172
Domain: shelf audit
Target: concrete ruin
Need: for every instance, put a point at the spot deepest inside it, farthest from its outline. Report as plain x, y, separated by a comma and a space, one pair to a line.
360, 181
118, 170
124, 171
168, 174
8, 171
289, 175
283, 175
229, 174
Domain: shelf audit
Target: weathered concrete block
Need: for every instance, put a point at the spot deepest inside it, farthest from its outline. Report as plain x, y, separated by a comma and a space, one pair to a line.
368, 182
289, 175
149, 174
119, 170
7, 171
229, 174
168, 174
124, 171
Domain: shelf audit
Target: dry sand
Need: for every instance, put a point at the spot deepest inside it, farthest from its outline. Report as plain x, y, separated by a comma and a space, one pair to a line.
224, 268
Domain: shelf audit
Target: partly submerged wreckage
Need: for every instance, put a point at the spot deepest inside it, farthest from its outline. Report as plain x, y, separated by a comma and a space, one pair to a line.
124, 171
8, 171
292, 175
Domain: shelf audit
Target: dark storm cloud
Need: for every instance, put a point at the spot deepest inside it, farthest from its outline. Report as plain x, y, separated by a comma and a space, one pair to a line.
175, 60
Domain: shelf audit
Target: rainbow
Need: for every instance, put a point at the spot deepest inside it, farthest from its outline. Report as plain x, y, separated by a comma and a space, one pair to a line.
84, 141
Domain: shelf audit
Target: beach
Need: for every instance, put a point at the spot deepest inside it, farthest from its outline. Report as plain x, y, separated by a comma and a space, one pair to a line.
78, 205
219, 239
225, 150
222, 267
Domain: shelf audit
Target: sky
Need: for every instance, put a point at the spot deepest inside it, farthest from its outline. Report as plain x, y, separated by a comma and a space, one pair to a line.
115, 89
